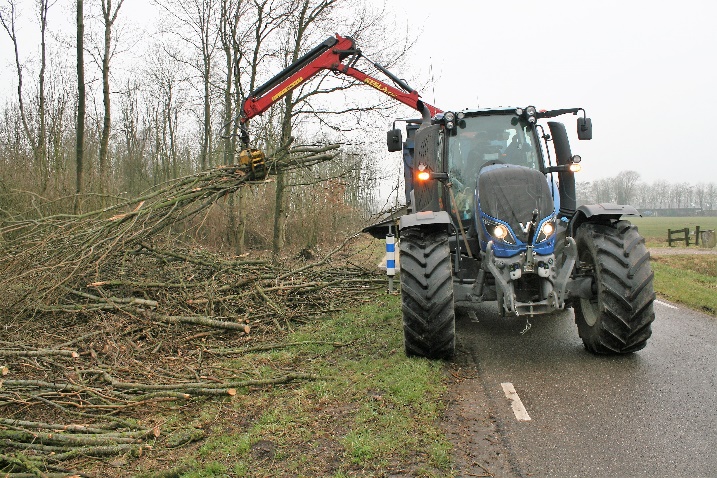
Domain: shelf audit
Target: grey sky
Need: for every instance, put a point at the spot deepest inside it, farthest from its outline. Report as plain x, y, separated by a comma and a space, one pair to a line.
644, 70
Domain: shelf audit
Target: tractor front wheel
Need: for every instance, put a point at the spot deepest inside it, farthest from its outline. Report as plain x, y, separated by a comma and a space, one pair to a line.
617, 320
427, 294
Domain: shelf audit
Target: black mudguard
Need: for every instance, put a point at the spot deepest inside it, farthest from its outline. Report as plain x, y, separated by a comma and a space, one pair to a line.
598, 212
424, 219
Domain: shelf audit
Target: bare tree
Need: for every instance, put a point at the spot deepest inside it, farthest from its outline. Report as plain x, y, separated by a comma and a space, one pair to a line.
41, 140
584, 192
269, 15
167, 80
81, 107
205, 10
625, 185
196, 22
8, 17
711, 196
689, 195
603, 190
678, 195
109, 16
307, 13
228, 21
700, 190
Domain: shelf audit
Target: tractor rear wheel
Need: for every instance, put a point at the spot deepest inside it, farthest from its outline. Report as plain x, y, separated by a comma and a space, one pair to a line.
427, 294
617, 320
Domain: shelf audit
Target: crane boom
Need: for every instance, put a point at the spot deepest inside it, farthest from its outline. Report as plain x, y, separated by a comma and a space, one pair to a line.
338, 54
329, 55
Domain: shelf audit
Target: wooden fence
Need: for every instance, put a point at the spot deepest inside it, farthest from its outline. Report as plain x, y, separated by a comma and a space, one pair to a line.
683, 235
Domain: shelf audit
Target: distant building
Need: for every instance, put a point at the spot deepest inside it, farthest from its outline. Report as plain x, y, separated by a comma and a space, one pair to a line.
678, 212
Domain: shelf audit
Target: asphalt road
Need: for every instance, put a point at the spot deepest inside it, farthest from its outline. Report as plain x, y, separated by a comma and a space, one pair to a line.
653, 413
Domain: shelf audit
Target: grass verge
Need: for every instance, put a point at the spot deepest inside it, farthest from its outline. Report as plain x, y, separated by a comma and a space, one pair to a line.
371, 411
688, 279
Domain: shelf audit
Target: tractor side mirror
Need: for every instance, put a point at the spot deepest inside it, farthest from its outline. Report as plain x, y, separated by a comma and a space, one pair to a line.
585, 128
394, 140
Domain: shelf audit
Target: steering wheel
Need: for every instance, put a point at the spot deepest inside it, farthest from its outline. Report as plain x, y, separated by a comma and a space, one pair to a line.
492, 162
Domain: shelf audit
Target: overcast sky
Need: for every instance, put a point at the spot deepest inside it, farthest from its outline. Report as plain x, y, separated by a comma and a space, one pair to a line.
643, 70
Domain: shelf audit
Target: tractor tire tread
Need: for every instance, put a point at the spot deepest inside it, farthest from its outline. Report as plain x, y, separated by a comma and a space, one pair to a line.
625, 294
427, 294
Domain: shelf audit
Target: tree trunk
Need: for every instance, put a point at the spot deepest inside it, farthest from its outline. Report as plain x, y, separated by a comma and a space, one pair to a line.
41, 139
206, 136
109, 18
204, 22
9, 26
241, 225
307, 14
226, 28
80, 130
277, 243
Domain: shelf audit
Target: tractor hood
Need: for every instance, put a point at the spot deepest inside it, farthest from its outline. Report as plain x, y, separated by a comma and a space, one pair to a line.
516, 196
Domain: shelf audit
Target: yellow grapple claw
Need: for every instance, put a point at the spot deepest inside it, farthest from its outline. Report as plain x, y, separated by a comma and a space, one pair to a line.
254, 161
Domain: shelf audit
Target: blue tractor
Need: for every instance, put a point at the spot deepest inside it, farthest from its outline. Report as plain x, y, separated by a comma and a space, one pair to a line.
492, 217
489, 217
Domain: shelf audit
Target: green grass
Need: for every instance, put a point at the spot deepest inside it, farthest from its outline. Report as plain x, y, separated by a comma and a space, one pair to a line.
373, 411
689, 280
654, 229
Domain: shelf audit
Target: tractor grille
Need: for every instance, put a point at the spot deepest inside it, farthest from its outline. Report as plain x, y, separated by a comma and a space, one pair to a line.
511, 193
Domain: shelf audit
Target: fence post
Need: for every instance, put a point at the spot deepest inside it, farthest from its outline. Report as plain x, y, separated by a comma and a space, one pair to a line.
687, 236
697, 235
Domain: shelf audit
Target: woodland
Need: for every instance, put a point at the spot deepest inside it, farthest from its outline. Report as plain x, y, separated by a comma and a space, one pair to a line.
132, 245
135, 255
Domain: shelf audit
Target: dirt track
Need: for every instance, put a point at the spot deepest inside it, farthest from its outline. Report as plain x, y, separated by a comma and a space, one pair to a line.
672, 251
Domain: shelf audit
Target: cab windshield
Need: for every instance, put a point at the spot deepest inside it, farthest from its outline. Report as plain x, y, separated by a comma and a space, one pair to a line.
485, 140
488, 139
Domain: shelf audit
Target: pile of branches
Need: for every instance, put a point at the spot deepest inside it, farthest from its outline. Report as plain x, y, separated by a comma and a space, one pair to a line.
107, 320
39, 256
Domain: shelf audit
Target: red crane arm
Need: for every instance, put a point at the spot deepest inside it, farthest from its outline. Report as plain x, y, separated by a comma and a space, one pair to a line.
329, 55
411, 99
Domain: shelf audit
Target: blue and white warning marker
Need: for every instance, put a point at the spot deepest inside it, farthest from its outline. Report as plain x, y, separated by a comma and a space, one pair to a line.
390, 255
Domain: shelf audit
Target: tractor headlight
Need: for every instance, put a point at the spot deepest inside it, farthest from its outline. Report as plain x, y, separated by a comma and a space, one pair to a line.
546, 231
499, 231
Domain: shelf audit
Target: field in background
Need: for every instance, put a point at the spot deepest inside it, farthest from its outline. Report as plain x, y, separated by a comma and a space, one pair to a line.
684, 275
654, 229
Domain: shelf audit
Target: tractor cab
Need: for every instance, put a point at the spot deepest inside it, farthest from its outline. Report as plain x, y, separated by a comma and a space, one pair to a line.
482, 139
491, 217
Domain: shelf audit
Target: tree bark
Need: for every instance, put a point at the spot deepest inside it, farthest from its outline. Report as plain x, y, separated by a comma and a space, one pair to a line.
41, 140
81, 107
204, 22
109, 16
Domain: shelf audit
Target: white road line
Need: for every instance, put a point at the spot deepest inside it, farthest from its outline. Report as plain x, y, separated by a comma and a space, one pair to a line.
520, 412
665, 304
